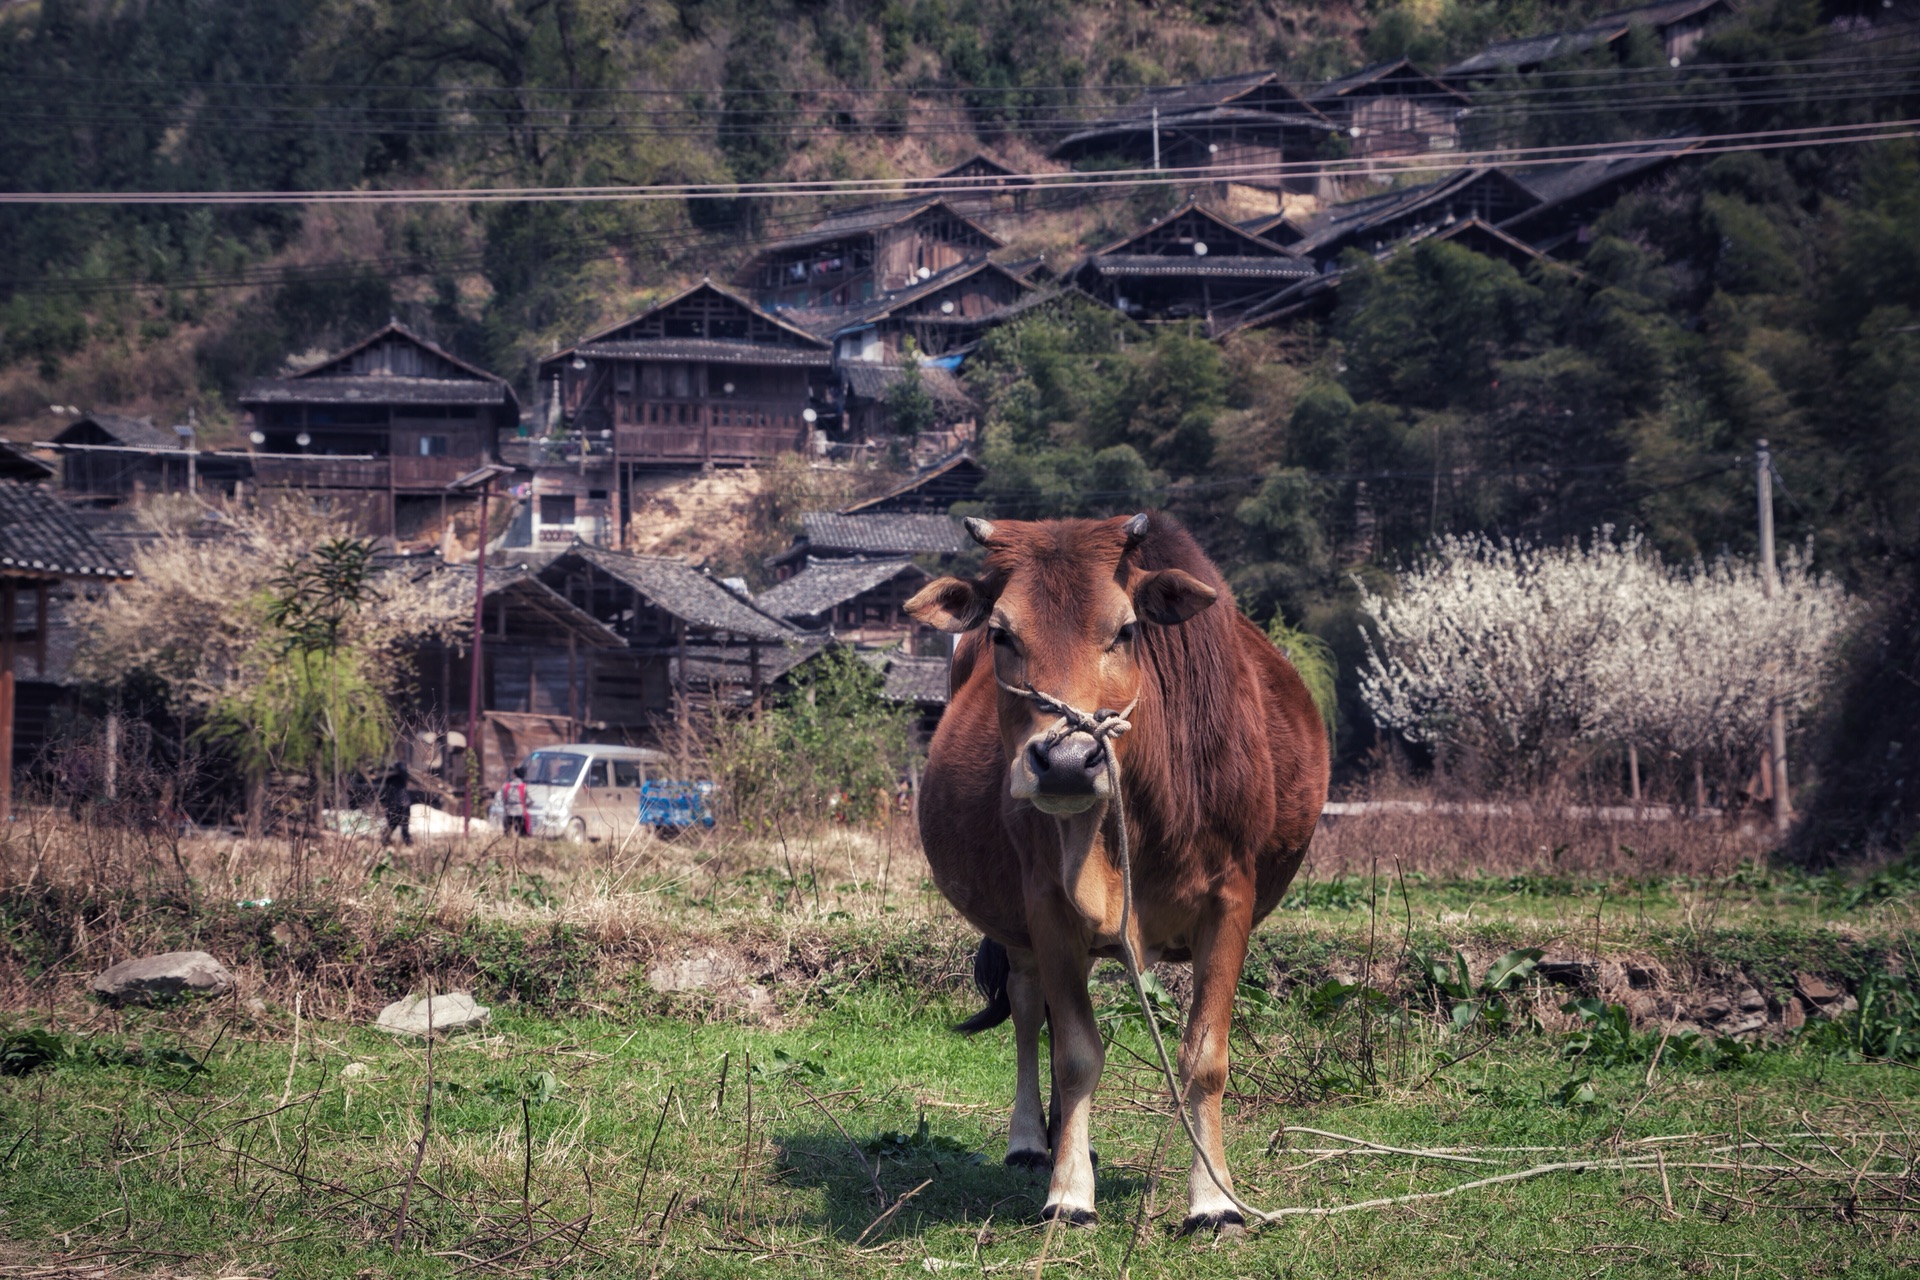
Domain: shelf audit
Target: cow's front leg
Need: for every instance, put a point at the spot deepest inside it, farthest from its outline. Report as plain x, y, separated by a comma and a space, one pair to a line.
1077, 1055
1219, 953
1027, 1133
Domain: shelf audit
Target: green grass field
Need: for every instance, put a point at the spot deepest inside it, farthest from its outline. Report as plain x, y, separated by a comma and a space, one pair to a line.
837, 1127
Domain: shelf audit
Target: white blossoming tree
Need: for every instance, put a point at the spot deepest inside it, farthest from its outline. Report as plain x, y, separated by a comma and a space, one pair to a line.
1511, 655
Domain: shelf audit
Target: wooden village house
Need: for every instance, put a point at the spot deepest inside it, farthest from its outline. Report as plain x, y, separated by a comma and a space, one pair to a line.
108, 460
826, 535
857, 602
1678, 25
1232, 132
1191, 264
705, 378
42, 545
979, 184
1393, 109
934, 488
941, 316
380, 428
859, 255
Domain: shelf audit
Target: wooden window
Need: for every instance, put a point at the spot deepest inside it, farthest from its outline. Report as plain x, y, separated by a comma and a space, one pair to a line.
556, 508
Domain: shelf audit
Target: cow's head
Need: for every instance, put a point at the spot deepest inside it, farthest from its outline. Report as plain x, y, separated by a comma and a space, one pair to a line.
1063, 602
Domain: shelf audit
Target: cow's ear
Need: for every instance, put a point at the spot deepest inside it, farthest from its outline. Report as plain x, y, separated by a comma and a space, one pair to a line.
950, 604
1171, 596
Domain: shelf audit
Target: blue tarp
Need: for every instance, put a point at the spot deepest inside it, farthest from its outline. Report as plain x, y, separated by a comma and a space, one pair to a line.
674, 804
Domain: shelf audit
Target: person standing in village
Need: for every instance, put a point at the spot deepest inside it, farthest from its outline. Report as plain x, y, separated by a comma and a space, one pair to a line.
396, 801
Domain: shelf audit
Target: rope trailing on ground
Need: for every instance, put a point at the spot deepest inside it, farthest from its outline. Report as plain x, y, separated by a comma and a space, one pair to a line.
1103, 726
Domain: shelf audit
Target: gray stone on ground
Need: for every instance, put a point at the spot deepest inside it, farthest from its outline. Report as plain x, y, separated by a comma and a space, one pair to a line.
158, 979
452, 1011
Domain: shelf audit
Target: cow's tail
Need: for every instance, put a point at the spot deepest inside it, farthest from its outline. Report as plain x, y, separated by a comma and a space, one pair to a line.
990, 970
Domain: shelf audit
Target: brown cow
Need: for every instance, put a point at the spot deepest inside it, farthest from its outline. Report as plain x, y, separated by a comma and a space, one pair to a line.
1223, 772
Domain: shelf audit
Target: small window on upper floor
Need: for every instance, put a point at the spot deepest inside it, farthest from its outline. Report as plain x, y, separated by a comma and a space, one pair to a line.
556, 508
433, 446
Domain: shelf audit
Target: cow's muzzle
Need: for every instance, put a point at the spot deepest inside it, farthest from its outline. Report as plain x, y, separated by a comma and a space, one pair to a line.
1063, 775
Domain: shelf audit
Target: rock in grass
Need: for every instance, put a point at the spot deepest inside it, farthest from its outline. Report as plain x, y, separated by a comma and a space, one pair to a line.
452, 1011
161, 978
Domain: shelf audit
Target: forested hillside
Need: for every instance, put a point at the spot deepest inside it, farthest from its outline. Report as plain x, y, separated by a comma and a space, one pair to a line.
1758, 290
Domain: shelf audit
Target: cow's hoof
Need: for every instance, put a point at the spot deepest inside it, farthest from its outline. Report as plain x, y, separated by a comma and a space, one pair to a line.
1072, 1217
1029, 1160
1224, 1225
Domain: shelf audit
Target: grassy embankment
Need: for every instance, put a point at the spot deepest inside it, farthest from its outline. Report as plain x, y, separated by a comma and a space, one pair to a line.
236, 1137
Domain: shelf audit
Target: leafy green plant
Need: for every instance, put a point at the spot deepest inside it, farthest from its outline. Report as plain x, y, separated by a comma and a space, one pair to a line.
1885, 1028
1486, 999
1125, 1006
922, 1143
1607, 1039
1313, 660
30, 1049
785, 1066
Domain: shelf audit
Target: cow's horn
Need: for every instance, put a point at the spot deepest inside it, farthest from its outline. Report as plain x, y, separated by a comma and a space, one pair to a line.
981, 531
1136, 530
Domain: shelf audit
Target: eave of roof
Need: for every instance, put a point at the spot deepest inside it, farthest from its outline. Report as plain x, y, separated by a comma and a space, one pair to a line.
825, 584
41, 539
959, 461
683, 591
1211, 267
712, 350
378, 390
893, 214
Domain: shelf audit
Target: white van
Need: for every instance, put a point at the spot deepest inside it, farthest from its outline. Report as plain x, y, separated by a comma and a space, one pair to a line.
579, 791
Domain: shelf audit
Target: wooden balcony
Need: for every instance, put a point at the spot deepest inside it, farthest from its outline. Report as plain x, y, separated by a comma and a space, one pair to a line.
716, 439
433, 472
320, 472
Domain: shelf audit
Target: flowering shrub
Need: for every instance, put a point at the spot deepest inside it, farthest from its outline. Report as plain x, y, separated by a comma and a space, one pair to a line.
1512, 654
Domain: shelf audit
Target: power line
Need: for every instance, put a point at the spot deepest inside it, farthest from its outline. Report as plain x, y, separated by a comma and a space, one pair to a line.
1697, 144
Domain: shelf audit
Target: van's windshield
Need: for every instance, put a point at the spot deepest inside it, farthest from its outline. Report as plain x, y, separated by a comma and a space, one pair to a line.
553, 768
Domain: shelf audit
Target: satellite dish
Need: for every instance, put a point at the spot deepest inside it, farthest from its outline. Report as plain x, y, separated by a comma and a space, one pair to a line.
946, 308
926, 273
579, 363
1199, 248
258, 437
303, 439
1354, 131
727, 388
809, 415
1213, 148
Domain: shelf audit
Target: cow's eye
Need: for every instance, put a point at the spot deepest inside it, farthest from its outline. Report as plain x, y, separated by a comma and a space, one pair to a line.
1124, 635
1000, 636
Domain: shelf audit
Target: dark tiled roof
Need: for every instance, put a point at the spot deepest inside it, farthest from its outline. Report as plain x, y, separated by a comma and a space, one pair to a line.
138, 433
371, 389
1195, 96
1359, 216
900, 533
836, 319
685, 592
873, 381
1558, 184
978, 167
395, 329
1228, 233
711, 350
960, 472
1531, 51
40, 538
826, 583
1215, 116
1331, 92
1213, 266
920, 681
17, 464
870, 218
607, 335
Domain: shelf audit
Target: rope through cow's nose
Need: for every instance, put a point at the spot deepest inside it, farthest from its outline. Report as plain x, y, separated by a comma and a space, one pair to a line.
1100, 725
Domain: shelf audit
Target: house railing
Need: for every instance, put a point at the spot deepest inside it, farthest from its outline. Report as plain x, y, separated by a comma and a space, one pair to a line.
322, 472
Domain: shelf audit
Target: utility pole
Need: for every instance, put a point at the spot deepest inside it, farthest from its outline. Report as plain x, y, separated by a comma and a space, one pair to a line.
1156, 137
1769, 575
481, 480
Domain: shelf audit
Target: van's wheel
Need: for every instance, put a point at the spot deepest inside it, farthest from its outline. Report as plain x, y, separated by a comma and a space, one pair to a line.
577, 831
